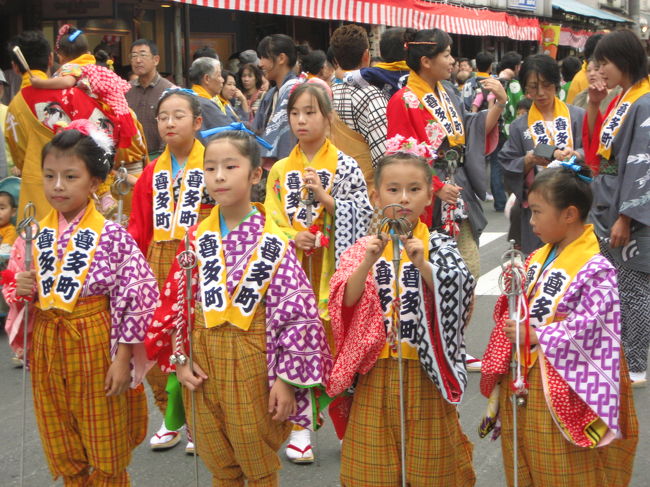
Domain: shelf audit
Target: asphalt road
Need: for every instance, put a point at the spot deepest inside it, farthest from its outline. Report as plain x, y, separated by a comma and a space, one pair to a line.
173, 468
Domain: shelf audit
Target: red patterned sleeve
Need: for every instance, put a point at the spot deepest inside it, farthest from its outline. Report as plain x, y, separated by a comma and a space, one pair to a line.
359, 331
141, 219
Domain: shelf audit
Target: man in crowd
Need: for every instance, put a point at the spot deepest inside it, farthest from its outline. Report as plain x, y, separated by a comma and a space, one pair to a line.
205, 76
146, 91
361, 130
471, 87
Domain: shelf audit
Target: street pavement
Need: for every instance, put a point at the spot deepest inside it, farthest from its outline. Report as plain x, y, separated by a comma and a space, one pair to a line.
173, 468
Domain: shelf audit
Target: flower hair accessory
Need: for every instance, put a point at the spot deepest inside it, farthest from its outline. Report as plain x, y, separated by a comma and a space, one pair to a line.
65, 30
399, 143
88, 128
304, 78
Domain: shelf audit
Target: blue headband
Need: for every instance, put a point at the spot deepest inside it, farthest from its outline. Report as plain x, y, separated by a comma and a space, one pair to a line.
570, 164
178, 90
237, 126
74, 35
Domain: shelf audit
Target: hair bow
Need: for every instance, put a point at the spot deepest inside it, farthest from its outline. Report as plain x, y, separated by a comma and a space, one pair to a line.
177, 89
576, 168
237, 126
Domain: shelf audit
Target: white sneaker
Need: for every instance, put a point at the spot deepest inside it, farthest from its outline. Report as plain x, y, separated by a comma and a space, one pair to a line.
164, 438
299, 447
472, 364
189, 448
489, 197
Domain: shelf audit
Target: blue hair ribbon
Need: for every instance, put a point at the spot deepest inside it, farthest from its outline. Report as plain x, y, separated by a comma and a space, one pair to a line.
177, 89
570, 164
237, 126
74, 35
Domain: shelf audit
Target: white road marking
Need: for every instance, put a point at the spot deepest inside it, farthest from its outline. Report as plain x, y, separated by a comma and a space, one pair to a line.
487, 237
488, 283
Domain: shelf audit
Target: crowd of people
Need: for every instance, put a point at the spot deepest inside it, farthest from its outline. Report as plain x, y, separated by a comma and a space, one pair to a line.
249, 276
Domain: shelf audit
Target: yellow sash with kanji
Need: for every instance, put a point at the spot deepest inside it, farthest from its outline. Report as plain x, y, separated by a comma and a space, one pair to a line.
218, 305
170, 220
410, 298
561, 135
60, 281
440, 106
615, 119
324, 163
546, 287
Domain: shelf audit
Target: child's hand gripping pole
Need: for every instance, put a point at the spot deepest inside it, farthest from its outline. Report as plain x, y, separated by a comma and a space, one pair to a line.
121, 187
512, 281
28, 229
396, 227
187, 260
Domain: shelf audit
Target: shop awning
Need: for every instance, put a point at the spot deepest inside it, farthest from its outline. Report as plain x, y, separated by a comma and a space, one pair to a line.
575, 7
418, 14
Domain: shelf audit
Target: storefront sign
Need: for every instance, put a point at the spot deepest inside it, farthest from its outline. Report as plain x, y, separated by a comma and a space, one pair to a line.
77, 9
530, 5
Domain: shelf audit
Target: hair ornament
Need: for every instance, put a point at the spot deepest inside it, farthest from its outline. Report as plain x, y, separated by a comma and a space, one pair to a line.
236, 126
570, 164
306, 78
399, 143
74, 35
419, 43
64, 30
90, 129
177, 89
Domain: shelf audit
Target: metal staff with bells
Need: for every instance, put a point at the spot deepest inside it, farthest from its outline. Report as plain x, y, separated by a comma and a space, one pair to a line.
511, 282
188, 261
121, 187
396, 227
28, 229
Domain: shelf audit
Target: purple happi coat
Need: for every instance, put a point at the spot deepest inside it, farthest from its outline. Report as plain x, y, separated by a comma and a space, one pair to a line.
296, 351
119, 271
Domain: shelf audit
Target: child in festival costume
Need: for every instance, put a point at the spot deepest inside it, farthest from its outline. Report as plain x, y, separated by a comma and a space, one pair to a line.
7, 212
362, 307
79, 69
256, 326
168, 199
340, 214
94, 295
571, 431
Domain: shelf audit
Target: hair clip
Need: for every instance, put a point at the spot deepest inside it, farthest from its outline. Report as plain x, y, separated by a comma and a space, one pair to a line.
75, 34
399, 143
570, 164
304, 78
236, 126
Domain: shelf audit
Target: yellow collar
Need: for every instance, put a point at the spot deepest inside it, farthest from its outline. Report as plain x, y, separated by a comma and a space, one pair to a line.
36, 73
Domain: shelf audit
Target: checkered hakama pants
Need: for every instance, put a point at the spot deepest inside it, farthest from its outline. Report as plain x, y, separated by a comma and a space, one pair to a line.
437, 451
87, 437
236, 437
634, 293
546, 458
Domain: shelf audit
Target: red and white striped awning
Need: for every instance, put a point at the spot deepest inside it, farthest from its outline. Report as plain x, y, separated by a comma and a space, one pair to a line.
417, 14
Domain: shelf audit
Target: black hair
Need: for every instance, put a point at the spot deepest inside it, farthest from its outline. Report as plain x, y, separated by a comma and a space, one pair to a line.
331, 58
205, 51
414, 52
349, 43
510, 60
225, 74
624, 49
246, 144
570, 67
101, 58
524, 104
146, 42
562, 187
98, 162
391, 45
463, 60
403, 157
72, 48
257, 72
314, 62
272, 46
543, 66
34, 47
483, 61
12, 200
318, 92
590, 45
193, 100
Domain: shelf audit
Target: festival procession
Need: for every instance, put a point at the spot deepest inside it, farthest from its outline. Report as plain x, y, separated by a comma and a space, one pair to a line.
360, 243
